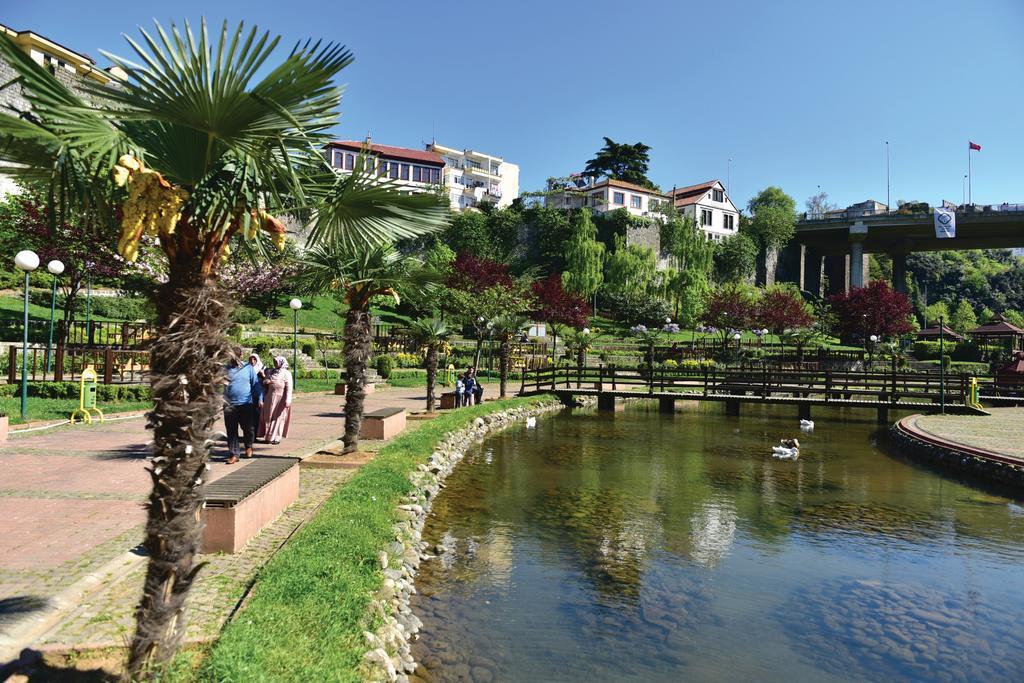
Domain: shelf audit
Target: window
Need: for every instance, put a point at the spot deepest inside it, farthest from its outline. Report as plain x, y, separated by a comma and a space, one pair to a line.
619, 198
435, 175
382, 167
416, 174
350, 160
597, 199
393, 170
718, 195
729, 221
636, 201
705, 217
405, 171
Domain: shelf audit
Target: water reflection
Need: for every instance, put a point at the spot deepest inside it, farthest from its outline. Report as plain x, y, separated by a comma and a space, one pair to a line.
651, 547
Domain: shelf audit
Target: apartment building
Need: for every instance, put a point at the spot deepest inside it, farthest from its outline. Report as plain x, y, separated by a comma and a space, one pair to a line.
709, 206
602, 195
473, 178
58, 58
415, 170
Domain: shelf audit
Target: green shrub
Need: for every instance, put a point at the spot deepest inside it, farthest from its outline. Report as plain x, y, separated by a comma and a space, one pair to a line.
318, 374
973, 369
385, 364
121, 307
246, 315
929, 350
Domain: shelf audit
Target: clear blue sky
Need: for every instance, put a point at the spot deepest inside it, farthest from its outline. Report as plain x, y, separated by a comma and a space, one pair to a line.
799, 93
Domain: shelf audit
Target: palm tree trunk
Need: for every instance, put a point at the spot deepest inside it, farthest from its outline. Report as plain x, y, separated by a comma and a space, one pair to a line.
431, 375
506, 351
187, 377
358, 342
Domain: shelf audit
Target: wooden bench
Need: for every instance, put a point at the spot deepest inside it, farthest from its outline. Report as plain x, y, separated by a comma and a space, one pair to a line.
240, 504
383, 423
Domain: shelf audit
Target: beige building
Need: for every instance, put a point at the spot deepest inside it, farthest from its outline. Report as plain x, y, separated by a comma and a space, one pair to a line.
605, 194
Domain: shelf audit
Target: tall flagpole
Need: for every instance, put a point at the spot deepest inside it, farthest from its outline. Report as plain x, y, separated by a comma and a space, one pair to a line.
969, 199
886, 175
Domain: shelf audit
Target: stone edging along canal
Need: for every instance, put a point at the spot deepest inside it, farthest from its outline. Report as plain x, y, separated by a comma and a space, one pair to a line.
390, 653
954, 457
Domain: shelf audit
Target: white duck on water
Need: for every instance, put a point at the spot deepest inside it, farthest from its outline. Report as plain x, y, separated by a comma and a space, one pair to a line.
788, 449
807, 425
531, 422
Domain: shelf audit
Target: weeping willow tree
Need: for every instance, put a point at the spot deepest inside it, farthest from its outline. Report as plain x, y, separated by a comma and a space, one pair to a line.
584, 258
206, 143
692, 256
631, 268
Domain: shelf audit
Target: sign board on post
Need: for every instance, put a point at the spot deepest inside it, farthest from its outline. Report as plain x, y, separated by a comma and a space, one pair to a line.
87, 397
945, 223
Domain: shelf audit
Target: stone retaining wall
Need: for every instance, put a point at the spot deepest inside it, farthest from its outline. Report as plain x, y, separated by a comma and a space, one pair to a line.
955, 460
390, 651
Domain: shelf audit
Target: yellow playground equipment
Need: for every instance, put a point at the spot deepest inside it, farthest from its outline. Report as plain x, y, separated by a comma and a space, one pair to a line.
87, 397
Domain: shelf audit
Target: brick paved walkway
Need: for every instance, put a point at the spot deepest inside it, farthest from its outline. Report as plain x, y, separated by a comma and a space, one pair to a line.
70, 507
71, 504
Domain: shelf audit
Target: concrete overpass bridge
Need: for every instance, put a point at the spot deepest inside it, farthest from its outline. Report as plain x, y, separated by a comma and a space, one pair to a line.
835, 247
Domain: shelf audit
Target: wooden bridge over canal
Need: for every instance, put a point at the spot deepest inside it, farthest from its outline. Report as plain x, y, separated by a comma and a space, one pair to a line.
882, 391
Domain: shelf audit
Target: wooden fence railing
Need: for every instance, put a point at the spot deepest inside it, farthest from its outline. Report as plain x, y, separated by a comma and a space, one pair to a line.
884, 387
113, 366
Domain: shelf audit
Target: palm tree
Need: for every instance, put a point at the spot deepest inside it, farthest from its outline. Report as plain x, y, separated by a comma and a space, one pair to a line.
507, 327
212, 142
431, 334
358, 272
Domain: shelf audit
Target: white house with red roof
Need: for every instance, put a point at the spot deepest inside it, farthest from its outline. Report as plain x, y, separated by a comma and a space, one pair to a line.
709, 206
414, 169
606, 194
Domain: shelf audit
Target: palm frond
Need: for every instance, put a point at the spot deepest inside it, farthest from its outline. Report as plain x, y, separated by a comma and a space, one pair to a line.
362, 208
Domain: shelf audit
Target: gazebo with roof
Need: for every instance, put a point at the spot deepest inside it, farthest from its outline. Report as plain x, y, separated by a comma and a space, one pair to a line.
932, 333
999, 329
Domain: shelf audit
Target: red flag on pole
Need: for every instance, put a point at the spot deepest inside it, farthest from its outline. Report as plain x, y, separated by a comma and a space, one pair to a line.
974, 145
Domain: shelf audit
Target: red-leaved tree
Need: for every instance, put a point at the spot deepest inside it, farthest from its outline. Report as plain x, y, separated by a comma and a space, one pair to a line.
556, 306
470, 273
875, 309
730, 308
782, 309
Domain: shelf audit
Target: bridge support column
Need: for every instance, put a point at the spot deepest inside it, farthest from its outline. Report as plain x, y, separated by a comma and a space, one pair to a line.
899, 272
883, 415
858, 233
732, 407
811, 272
607, 403
667, 405
803, 411
567, 399
856, 264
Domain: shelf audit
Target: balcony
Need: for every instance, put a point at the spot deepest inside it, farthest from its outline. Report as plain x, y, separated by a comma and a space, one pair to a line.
481, 172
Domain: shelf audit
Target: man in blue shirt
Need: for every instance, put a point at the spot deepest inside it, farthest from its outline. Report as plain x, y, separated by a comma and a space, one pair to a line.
242, 392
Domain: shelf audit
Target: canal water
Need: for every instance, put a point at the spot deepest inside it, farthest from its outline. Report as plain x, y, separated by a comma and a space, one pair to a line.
648, 547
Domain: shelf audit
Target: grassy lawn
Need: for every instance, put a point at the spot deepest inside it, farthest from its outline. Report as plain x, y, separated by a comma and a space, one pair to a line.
312, 597
60, 408
11, 308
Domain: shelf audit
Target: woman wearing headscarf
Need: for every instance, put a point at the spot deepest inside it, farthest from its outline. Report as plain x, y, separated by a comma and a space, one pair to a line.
277, 402
261, 375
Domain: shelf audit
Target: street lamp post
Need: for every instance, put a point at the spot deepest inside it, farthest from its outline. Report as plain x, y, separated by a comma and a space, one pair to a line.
871, 350
25, 261
942, 366
56, 268
295, 305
